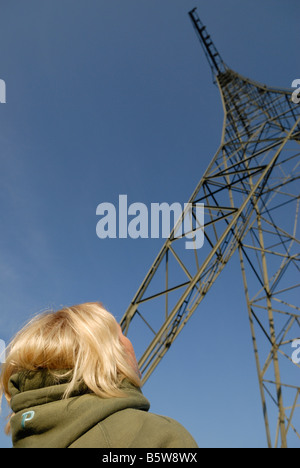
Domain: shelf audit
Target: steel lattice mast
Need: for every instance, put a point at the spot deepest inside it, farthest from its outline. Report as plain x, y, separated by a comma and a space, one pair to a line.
251, 196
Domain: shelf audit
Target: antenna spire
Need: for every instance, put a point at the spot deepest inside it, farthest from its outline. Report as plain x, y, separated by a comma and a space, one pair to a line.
215, 60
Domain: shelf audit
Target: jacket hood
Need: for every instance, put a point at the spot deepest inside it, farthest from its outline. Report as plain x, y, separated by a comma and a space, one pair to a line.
43, 419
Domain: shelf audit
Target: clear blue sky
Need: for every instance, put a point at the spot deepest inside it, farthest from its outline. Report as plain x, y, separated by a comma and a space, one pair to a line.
116, 97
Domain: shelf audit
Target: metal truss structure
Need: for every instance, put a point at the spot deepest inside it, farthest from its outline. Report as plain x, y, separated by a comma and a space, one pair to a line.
250, 193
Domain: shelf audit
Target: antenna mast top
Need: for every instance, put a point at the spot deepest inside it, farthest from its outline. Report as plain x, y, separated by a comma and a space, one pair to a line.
215, 60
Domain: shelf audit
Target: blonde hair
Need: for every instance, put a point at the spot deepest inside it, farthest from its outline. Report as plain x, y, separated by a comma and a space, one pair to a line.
83, 340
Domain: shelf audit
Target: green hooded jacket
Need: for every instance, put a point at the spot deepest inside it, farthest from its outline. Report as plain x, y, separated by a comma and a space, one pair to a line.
42, 419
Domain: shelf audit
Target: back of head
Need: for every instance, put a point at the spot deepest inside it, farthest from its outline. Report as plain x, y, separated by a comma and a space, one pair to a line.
82, 340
